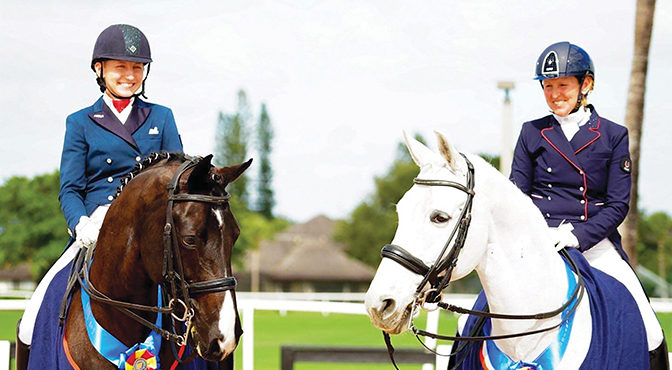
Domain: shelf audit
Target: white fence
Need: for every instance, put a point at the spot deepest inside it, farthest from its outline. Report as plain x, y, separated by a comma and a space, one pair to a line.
346, 303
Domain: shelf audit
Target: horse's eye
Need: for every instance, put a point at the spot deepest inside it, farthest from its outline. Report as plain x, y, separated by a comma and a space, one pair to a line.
439, 217
189, 241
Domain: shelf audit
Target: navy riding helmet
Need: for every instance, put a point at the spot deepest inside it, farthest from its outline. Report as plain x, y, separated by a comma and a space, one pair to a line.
563, 59
121, 42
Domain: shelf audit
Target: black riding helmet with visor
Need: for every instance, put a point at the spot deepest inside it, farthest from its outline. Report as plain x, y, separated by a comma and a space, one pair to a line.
563, 59
121, 42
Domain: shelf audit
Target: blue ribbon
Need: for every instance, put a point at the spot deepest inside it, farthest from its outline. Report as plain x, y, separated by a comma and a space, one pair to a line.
109, 346
552, 355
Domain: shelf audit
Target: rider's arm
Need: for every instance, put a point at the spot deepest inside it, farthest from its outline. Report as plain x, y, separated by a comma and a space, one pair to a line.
73, 172
522, 171
616, 205
171, 141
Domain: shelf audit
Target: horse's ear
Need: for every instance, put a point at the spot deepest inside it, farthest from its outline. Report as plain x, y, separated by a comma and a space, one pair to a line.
198, 179
227, 175
421, 154
448, 152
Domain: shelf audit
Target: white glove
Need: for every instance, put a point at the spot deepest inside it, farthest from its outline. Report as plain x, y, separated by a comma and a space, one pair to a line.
86, 232
563, 237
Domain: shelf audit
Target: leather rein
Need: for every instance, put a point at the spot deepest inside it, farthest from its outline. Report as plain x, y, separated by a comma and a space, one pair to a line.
431, 299
181, 291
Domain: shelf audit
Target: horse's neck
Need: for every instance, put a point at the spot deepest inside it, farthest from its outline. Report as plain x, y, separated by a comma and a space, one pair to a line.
521, 273
117, 273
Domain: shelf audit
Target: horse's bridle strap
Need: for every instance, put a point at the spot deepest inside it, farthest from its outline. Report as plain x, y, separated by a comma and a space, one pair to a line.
215, 199
213, 286
402, 257
174, 277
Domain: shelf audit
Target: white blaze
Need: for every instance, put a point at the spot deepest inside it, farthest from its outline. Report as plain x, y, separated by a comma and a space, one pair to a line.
227, 322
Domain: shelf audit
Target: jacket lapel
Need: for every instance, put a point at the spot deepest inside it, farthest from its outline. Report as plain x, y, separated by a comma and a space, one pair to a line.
138, 116
554, 135
587, 134
103, 117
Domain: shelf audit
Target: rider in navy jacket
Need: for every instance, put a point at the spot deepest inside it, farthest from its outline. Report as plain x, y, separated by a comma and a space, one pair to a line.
584, 181
102, 144
575, 166
98, 150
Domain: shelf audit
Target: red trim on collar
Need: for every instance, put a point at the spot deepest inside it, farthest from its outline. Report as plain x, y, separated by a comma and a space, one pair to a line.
593, 129
583, 174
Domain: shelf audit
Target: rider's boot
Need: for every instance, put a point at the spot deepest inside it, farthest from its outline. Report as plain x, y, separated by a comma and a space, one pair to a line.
22, 352
659, 358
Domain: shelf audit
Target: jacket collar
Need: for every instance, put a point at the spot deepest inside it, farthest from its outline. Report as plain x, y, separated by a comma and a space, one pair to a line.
104, 117
138, 116
588, 133
554, 135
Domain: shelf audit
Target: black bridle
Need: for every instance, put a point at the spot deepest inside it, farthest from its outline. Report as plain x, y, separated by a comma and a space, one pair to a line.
179, 303
431, 299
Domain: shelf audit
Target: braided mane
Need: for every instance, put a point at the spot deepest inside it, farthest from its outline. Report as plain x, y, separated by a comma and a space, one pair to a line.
148, 162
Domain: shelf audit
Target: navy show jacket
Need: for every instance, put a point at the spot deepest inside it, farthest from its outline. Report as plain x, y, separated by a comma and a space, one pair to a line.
98, 150
584, 181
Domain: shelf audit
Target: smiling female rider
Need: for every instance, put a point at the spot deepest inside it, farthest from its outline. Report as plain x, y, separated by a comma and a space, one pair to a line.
102, 143
575, 166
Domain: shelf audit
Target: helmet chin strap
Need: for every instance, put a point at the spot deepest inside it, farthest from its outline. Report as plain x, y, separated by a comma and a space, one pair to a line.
581, 95
103, 87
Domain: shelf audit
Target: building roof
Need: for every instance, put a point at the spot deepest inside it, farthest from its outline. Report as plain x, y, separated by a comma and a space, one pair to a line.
307, 252
16, 273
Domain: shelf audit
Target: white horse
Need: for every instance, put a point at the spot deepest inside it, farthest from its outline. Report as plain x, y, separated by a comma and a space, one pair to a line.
509, 245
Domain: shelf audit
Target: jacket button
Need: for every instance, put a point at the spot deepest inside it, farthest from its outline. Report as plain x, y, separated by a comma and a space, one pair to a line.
109, 161
583, 201
549, 169
548, 215
549, 197
582, 217
137, 159
111, 198
550, 185
581, 188
110, 179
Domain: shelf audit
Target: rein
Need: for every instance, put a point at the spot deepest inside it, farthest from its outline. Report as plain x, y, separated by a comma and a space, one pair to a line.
431, 299
178, 305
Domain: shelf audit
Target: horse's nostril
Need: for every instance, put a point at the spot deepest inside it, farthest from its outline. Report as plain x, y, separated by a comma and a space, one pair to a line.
388, 305
217, 347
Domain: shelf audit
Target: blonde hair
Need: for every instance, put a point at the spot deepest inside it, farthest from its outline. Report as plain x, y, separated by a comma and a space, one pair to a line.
591, 85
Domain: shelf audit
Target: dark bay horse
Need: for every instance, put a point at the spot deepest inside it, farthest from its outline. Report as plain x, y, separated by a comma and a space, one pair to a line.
170, 226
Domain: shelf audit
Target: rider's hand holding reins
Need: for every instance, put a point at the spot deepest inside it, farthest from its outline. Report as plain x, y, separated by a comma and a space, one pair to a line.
564, 237
86, 232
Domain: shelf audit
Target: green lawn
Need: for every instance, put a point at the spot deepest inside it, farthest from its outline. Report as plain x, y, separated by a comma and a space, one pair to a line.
273, 330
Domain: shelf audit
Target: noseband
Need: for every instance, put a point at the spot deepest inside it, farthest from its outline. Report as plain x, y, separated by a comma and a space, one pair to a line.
179, 303
430, 299
444, 263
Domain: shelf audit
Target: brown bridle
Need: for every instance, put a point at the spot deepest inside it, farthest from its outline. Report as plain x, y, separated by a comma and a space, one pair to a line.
181, 291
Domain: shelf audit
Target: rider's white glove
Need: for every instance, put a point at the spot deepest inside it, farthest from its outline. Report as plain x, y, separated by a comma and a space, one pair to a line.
563, 237
86, 232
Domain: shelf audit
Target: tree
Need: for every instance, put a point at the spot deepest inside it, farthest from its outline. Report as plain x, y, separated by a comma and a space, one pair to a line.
374, 221
265, 200
654, 244
32, 227
634, 115
231, 144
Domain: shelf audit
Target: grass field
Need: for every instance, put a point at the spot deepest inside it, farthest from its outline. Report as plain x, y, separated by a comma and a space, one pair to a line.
272, 330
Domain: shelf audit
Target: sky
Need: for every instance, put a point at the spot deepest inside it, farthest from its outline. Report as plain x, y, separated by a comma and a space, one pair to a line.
341, 80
